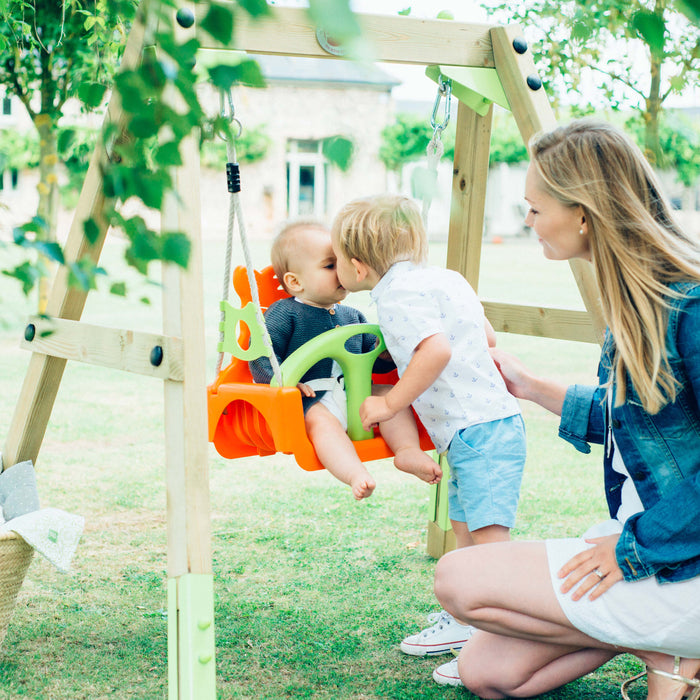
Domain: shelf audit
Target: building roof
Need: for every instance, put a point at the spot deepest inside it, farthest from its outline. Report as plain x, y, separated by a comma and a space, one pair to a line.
323, 72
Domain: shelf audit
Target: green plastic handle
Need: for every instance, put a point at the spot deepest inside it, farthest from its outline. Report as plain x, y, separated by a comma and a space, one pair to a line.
356, 367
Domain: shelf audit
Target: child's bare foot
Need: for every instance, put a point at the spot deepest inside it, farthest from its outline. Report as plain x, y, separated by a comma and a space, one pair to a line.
413, 460
362, 485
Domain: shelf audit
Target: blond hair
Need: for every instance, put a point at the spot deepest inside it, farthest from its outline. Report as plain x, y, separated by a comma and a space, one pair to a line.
637, 248
284, 251
380, 231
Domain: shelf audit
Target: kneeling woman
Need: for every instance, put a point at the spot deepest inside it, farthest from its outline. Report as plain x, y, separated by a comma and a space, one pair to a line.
559, 609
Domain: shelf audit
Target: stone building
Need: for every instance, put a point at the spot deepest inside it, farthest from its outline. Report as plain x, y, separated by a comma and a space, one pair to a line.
306, 101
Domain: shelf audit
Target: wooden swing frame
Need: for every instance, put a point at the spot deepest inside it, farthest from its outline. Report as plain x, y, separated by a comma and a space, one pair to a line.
182, 369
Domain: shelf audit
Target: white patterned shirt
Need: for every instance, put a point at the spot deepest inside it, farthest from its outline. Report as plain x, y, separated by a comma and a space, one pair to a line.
414, 303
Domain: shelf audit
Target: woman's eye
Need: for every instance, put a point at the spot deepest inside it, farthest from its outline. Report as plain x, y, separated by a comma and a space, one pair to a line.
532, 211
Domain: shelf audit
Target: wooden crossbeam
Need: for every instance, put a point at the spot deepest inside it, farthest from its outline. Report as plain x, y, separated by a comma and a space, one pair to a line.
541, 321
149, 354
397, 39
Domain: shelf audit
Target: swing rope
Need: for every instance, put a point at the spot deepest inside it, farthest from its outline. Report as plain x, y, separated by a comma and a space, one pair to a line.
436, 148
233, 178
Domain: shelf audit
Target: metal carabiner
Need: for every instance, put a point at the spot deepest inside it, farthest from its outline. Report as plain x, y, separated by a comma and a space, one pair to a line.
444, 90
231, 116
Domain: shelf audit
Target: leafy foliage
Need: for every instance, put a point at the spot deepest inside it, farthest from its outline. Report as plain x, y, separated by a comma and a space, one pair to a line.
18, 150
407, 139
636, 53
251, 146
680, 144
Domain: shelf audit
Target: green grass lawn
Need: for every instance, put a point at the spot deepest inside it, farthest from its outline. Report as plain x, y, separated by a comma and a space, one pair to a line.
313, 591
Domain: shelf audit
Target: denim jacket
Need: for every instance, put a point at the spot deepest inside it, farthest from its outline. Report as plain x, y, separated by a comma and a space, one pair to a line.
661, 452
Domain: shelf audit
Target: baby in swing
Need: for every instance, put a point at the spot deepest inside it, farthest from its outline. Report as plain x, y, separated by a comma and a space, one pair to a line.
303, 260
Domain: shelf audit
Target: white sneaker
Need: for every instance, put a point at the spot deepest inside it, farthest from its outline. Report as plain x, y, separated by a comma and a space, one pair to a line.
447, 674
445, 635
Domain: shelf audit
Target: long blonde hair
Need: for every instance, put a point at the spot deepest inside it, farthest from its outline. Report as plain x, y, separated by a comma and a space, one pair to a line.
637, 248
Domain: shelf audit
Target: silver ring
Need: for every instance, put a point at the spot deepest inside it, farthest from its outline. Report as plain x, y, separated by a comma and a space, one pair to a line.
598, 573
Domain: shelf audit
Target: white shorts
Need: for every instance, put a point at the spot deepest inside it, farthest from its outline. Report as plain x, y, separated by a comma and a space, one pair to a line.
645, 614
334, 398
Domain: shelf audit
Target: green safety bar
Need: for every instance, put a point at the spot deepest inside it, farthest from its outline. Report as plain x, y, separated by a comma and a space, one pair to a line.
356, 367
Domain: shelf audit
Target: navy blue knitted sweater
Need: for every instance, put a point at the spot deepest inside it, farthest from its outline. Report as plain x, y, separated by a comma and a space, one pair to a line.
291, 324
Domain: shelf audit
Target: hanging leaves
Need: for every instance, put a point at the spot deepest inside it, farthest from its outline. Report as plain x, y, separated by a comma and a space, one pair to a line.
247, 72
219, 23
339, 150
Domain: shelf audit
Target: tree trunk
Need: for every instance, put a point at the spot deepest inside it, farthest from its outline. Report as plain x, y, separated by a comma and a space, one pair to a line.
652, 145
48, 194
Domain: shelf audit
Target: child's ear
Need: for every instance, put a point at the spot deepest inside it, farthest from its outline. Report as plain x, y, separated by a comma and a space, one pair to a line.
362, 270
292, 282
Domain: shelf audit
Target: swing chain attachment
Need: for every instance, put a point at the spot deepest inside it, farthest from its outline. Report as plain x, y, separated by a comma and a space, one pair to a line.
225, 97
444, 91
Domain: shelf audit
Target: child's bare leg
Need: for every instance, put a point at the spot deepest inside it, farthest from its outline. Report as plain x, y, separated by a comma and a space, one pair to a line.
401, 434
463, 538
491, 533
336, 452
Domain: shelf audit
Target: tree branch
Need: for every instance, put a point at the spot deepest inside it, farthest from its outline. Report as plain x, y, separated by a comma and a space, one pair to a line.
622, 79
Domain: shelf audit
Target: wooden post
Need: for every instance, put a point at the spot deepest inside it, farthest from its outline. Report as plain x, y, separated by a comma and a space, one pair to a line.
466, 230
470, 173
191, 643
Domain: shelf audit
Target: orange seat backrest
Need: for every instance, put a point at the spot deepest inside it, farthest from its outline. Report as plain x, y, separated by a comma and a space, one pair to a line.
269, 288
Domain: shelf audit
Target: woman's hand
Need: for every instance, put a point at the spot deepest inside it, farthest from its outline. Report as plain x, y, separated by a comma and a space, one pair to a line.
516, 376
596, 568
524, 385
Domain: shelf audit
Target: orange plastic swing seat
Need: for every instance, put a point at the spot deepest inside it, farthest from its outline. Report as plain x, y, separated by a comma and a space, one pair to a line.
247, 419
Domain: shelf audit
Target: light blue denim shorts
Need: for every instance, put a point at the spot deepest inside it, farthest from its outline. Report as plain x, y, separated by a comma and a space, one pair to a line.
486, 468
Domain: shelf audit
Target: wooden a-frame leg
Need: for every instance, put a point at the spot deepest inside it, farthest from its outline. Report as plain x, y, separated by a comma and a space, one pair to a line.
533, 113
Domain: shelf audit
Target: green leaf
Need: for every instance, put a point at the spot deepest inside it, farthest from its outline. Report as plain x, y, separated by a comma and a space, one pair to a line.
651, 28
118, 289
36, 225
246, 73
339, 150
176, 248
66, 138
91, 94
143, 126
91, 230
405, 12
168, 155
79, 277
691, 9
255, 8
50, 250
580, 31
132, 91
153, 74
336, 19
219, 23
27, 274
